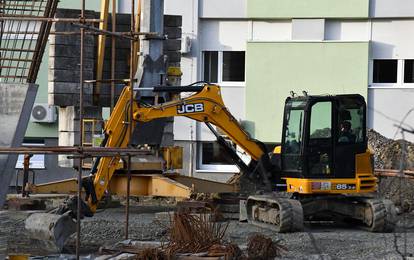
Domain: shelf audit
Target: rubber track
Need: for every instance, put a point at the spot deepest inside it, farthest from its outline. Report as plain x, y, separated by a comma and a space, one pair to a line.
384, 215
291, 214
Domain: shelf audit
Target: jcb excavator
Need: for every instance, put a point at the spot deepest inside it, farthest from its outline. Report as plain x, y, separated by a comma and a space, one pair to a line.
322, 167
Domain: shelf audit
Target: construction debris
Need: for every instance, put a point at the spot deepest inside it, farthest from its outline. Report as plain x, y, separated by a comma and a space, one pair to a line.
388, 159
229, 251
191, 233
261, 247
388, 153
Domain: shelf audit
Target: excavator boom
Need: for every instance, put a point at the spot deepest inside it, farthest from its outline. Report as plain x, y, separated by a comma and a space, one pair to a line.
204, 106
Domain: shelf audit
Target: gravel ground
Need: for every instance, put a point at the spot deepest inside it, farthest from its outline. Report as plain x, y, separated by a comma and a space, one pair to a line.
317, 242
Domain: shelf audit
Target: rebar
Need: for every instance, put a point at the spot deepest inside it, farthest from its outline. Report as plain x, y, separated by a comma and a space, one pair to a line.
191, 233
79, 207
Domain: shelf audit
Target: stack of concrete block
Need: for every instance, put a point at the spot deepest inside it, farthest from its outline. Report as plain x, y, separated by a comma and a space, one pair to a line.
122, 59
172, 45
64, 61
172, 48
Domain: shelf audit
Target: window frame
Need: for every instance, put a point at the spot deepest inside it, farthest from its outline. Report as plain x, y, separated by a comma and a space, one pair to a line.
400, 76
408, 84
34, 164
220, 68
201, 167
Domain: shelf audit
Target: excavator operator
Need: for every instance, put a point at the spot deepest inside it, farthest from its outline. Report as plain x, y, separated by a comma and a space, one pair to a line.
345, 133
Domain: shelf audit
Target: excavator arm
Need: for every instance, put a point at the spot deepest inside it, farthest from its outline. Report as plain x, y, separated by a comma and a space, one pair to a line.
204, 106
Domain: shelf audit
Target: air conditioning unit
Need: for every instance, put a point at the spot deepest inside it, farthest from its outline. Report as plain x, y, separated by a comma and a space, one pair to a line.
43, 113
186, 44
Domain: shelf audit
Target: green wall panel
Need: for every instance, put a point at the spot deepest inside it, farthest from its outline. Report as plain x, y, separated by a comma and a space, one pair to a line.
273, 69
307, 8
94, 5
42, 129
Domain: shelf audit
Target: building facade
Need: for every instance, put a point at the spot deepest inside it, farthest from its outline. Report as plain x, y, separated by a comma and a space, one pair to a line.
320, 46
260, 50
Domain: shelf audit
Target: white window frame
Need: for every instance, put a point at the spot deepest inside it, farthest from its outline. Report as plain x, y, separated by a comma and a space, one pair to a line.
400, 76
37, 162
220, 70
407, 85
200, 167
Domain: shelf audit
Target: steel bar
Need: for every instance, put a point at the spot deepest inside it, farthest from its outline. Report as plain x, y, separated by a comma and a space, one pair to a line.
97, 32
45, 19
407, 172
44, 31
113, 55
109, 80
68, 150
78, 215
131, 113
105, 32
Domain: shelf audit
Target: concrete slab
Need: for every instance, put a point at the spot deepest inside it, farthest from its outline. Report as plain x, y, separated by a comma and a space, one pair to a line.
16, 102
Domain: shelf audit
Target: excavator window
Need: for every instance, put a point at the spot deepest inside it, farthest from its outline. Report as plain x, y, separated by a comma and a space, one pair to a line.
320, 139
350, 124
294, 118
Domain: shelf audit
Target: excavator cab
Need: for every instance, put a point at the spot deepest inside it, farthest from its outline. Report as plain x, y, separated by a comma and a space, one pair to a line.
322, 137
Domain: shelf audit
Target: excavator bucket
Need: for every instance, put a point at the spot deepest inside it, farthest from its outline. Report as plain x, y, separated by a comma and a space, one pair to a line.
51, 229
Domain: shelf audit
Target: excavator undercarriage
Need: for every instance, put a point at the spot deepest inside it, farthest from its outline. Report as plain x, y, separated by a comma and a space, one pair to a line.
288, 215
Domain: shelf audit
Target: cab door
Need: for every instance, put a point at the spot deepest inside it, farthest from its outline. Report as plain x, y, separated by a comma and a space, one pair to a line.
350, 135
319, 149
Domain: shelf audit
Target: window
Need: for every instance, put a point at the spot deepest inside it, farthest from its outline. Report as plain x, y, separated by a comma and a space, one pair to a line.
351, 122
224, 66
385, 71
37, 161
293, 136
320, 155
233, 66
409, 71
321, 120
212, 157
210, 66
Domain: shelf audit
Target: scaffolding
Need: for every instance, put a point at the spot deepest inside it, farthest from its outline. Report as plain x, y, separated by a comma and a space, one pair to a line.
24, 30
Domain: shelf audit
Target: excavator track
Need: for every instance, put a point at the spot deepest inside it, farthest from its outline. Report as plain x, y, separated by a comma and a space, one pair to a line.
380, 215
285, 215
279, 214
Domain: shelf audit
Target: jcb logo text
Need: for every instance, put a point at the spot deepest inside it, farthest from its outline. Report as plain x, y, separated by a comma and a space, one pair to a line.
190, 108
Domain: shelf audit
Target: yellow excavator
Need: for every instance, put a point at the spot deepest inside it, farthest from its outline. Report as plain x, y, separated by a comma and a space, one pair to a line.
321, 169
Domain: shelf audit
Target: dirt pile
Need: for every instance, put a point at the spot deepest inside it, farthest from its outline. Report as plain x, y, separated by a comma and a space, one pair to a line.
388, 153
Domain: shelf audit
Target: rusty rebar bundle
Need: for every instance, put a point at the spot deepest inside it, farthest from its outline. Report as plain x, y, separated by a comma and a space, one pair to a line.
191, 233
261, 247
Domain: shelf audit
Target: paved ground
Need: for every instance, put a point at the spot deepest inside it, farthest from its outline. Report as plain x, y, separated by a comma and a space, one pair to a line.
317, 242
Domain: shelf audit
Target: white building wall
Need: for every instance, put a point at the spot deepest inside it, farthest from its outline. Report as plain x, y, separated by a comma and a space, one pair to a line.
347, 30
280, 30
392, 8
393, 39
387, 108
389, 102
223, 9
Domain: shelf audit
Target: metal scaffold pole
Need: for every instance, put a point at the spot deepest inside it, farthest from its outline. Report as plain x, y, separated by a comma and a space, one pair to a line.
131, 112
81, 82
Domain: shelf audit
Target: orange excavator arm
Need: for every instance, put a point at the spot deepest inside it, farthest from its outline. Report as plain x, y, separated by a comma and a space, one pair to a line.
204, 106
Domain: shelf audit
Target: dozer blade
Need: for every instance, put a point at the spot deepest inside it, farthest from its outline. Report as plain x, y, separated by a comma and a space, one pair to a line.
51, 229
